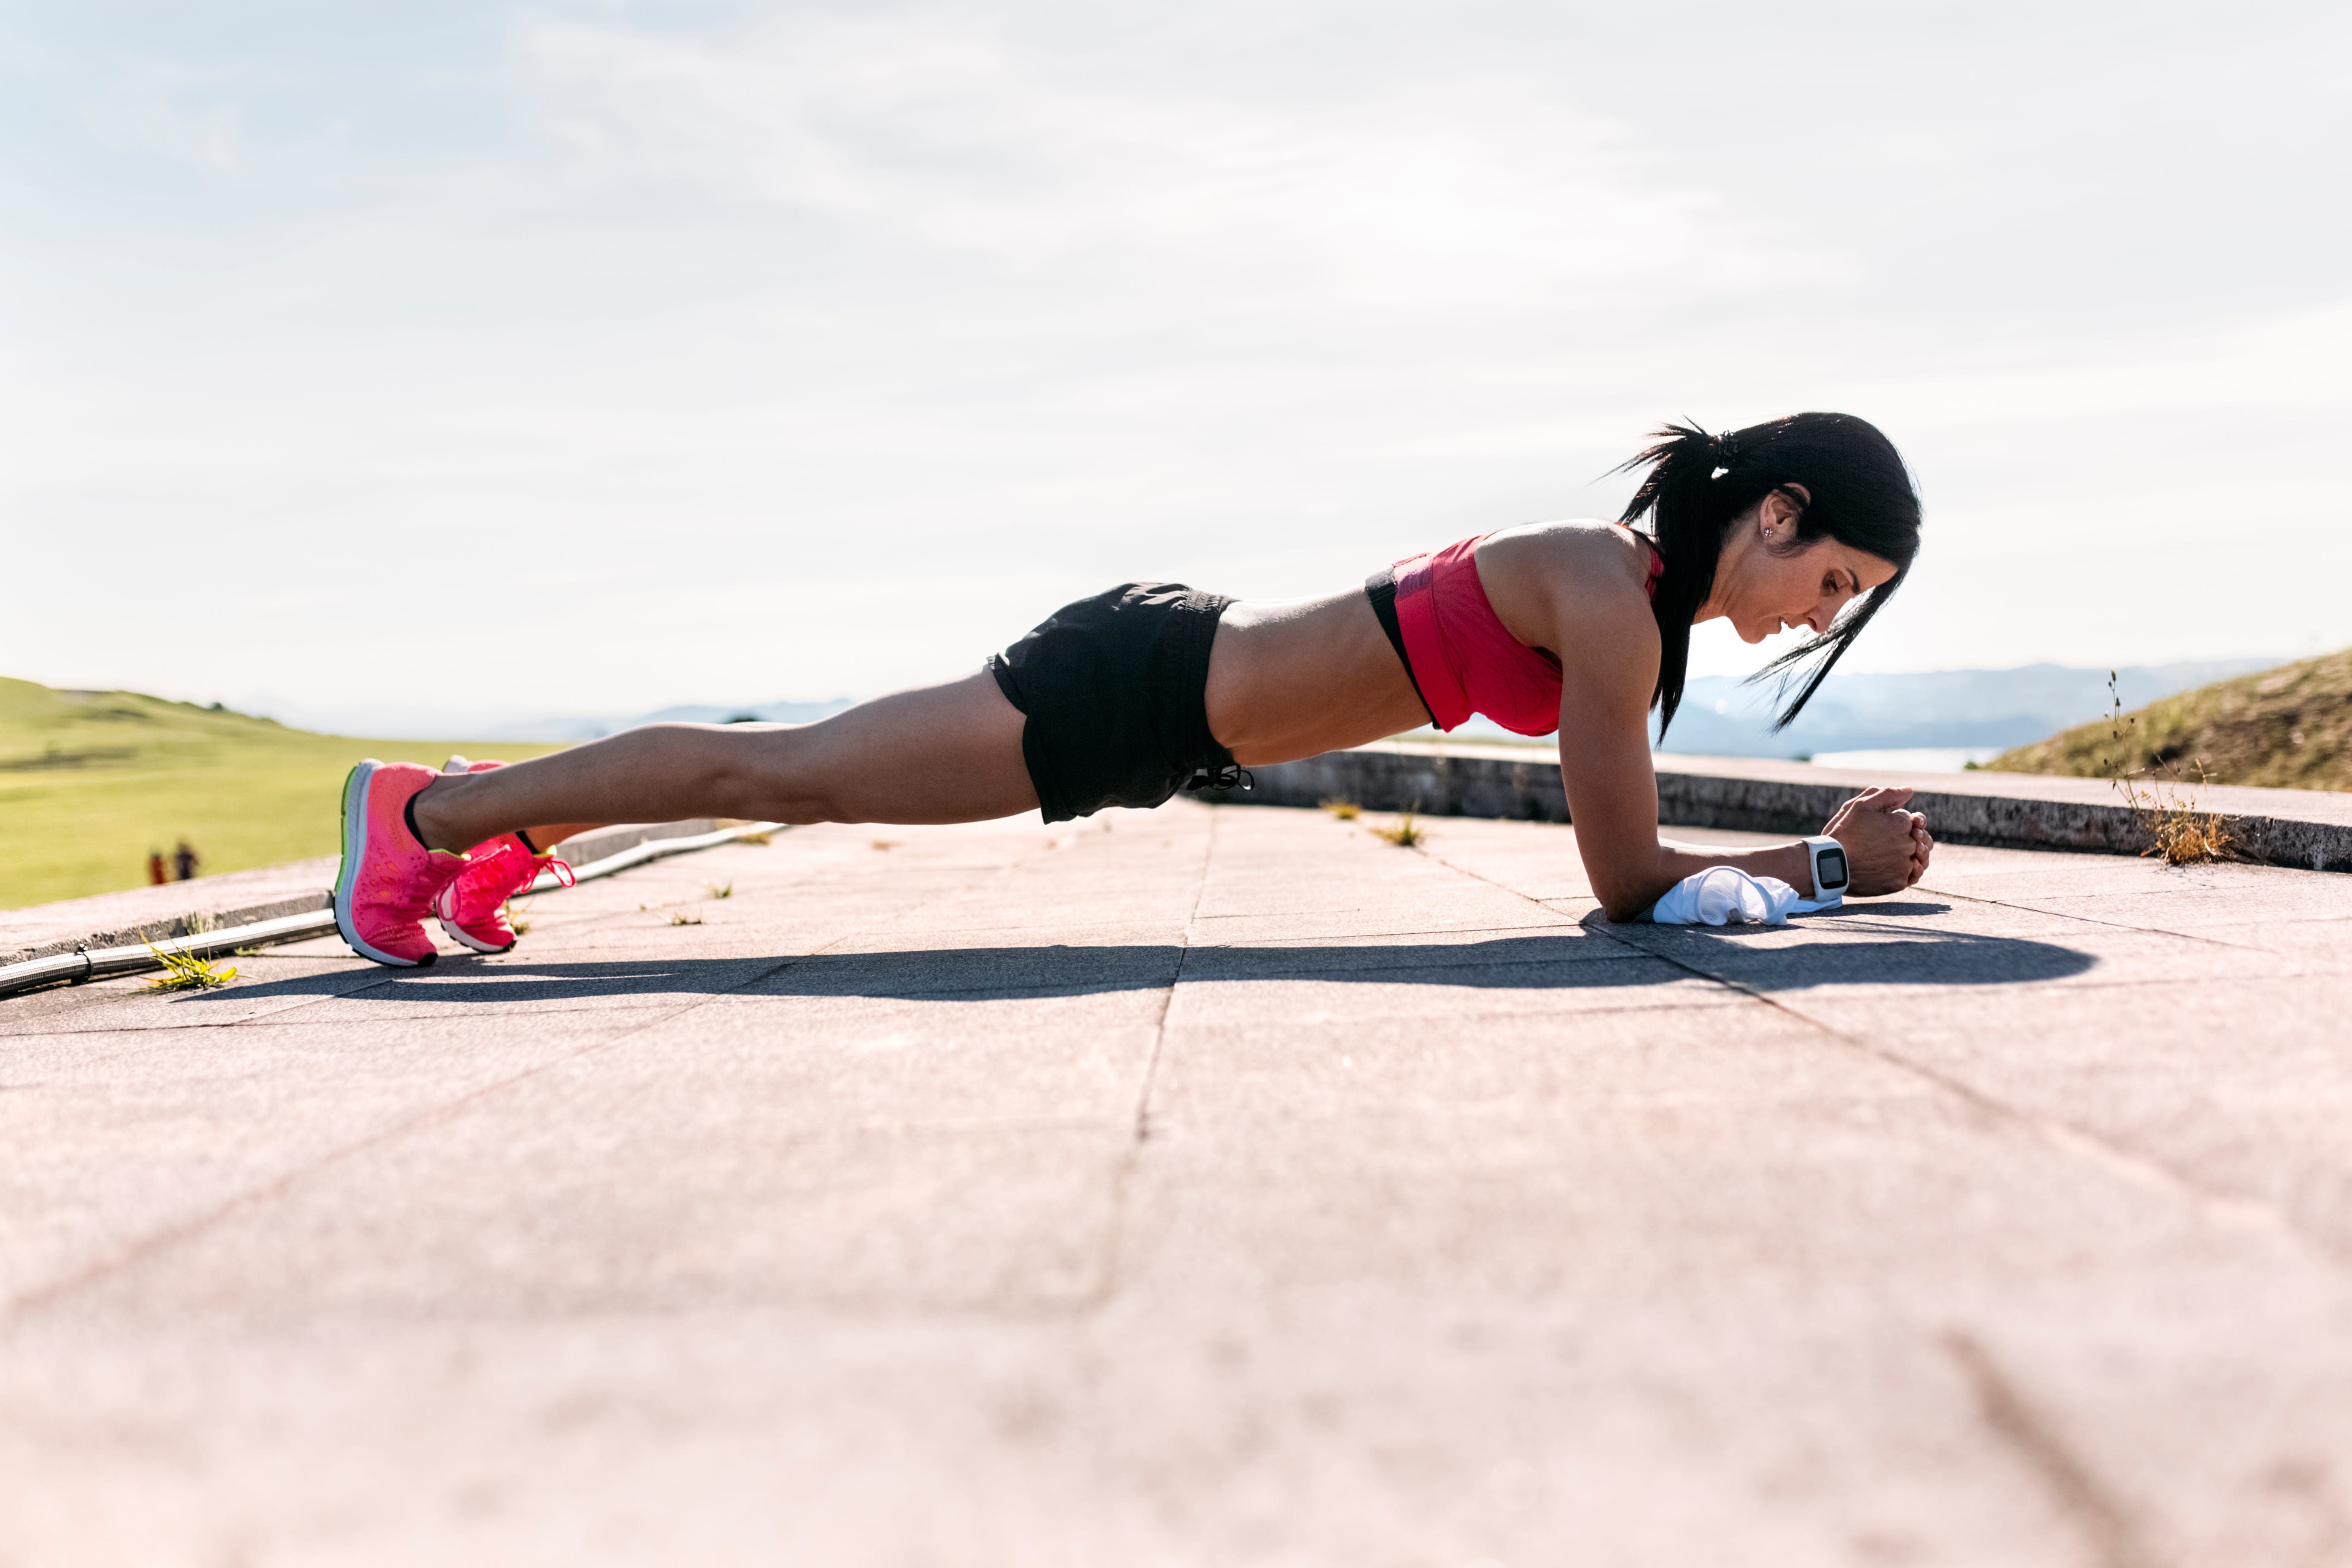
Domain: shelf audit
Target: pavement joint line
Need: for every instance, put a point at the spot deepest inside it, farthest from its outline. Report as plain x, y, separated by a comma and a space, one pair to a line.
1858, 919
2086, 919
13, 1310
2107, 1527
278, 1019
1105, 1284
165, 1032
2242, 1213
2229, 1208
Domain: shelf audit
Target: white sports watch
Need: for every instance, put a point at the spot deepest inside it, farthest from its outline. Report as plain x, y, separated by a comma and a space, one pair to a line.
1831, 873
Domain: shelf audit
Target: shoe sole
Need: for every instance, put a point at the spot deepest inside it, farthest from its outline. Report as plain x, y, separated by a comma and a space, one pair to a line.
449, 927
355, 785
459, 934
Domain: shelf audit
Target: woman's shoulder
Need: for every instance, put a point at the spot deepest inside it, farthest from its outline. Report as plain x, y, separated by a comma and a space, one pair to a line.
1582, 563
1577, 590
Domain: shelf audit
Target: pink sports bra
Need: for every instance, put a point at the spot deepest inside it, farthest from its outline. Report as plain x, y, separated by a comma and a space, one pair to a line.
1456, 649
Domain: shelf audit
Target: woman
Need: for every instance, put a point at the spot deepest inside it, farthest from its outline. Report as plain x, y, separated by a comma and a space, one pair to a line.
1124, 698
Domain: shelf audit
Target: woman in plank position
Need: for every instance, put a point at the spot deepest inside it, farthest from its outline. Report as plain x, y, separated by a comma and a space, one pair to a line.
1129, 697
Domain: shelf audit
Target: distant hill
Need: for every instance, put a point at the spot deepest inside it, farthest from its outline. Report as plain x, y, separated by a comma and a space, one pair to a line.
592, 727
92, 781
2288, 727
1724, 716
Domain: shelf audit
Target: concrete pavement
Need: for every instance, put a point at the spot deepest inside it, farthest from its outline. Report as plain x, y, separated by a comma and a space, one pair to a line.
1216, 1185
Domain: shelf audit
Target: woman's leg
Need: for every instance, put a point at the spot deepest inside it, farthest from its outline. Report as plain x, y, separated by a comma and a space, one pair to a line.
937, 753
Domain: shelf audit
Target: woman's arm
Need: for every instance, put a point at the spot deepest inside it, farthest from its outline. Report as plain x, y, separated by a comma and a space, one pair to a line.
1608, 668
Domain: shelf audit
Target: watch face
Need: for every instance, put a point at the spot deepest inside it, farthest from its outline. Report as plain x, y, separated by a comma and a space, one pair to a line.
1829, 868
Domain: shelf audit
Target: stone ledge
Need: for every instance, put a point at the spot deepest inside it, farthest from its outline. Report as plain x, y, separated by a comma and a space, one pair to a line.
2306, 828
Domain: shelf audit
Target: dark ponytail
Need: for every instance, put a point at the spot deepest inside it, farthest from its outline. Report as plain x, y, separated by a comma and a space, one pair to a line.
1860, 495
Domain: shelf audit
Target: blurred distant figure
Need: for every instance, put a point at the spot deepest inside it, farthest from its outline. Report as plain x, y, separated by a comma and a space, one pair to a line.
156, 874
186, 860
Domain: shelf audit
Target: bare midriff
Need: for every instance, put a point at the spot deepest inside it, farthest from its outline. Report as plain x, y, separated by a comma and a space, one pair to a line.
1294, 678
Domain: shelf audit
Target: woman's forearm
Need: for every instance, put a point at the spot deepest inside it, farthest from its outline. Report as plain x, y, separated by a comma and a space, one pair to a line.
1790, 862
1631, 898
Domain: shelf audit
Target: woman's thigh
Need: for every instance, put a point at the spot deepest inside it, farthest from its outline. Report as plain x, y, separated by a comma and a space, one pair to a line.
950, 752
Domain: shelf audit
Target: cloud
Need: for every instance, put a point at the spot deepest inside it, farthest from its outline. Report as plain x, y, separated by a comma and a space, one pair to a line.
1477, 192
189, 116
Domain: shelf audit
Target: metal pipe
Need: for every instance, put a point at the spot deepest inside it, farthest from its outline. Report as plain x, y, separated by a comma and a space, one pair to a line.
96, 964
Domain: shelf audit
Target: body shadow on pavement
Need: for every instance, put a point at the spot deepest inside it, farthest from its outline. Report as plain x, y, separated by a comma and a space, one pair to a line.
1759, 957
1577, 962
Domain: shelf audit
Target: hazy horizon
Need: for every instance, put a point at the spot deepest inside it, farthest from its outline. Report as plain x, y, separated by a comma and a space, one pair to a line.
1720, 715
590, 357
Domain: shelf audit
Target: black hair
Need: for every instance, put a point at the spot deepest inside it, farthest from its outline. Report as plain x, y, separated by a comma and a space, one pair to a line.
1856, 490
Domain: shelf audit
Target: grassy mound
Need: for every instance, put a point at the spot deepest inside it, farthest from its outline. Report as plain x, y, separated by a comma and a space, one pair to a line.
2290, 728
92, 781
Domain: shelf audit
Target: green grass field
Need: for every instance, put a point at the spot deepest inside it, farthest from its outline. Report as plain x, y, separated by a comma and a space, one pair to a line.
92, 781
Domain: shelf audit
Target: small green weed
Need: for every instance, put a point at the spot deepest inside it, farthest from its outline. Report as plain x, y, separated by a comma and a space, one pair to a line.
184, 972
1404, 834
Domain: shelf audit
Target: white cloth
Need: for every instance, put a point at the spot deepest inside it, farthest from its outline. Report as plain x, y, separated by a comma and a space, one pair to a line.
1725, 895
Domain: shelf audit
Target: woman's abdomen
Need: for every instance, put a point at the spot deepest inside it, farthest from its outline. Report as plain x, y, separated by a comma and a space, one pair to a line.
1294, 678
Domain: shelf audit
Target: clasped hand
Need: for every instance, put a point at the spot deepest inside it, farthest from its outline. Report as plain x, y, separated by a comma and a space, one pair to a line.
1887, 847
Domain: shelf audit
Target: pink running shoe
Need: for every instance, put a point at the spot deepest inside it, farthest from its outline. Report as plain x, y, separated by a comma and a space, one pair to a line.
472, 909
388, 879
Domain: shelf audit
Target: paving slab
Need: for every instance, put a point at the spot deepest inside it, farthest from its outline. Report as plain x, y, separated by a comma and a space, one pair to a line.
1213, 1185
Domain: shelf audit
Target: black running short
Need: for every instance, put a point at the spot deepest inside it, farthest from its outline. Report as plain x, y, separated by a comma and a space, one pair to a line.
1115, 690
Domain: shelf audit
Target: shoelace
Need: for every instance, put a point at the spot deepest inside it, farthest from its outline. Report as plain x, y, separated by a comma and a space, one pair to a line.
1230, 776
549, 862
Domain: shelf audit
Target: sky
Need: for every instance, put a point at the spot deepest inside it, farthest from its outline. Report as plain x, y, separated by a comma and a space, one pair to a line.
399, 368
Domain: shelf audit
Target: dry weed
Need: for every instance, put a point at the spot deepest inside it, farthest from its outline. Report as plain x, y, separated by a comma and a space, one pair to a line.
1345, 810
1404, 834
2175, 830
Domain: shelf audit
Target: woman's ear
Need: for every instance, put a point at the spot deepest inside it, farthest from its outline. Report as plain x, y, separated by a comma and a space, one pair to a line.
1781, 509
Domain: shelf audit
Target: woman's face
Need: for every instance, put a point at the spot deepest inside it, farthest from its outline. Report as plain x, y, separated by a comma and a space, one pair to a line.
1763, 589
